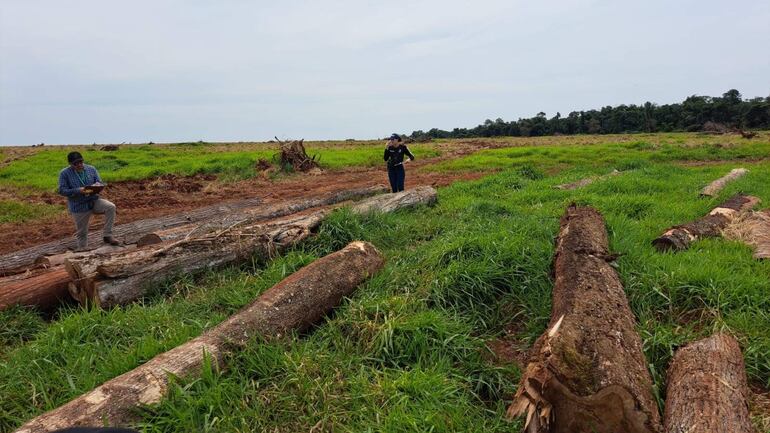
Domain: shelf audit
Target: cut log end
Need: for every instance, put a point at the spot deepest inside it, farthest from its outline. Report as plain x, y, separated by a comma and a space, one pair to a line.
707, 389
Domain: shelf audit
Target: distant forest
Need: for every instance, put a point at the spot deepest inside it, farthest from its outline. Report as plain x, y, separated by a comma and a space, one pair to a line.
696, 113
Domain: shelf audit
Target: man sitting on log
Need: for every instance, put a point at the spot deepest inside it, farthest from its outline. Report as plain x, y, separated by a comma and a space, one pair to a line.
81, 184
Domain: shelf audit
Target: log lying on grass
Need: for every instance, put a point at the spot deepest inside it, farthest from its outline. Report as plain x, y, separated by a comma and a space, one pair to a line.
295, 303
707, 391
712, 189
260, 213
586, 181
587, 372
421, 195
42, 288
679, 237
752, 228
121, 278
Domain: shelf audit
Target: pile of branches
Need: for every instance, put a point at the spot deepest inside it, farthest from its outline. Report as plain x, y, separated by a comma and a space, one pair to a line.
292, 154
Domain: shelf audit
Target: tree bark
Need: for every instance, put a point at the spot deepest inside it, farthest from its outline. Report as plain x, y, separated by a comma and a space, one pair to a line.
707, 390
679, 238
43, 288
712, 189
295, 303
123, 277
587, 372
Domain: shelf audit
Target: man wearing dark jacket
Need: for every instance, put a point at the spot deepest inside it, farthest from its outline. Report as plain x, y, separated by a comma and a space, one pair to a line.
394, 155
77, 183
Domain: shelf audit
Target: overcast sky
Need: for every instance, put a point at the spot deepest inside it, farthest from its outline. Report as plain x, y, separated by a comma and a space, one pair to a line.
229, 70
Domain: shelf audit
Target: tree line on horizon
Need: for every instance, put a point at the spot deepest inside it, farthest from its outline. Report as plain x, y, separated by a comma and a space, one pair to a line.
696, 113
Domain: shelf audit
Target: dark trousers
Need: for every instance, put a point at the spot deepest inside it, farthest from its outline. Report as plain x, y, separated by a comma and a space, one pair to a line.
396, 176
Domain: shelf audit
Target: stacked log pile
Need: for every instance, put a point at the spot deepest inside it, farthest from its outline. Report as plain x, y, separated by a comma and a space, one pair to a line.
46, 283
124, 277
295, 303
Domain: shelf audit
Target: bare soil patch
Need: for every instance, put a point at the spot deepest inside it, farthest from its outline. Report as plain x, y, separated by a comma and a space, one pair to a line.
168, 194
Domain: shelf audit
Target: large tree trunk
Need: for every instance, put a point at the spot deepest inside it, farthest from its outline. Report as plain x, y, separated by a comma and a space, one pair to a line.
712, 189
43, 288
707, 390
143, 231
262, 213
679, 237
421, 195
295, 303
121, 278
587, 372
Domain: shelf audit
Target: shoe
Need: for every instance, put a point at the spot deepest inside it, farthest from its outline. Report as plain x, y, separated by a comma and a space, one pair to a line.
109, 240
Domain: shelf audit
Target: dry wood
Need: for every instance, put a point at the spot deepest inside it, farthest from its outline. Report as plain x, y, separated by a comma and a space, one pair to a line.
48, 289
712, 189
126, 276
586, 181
43, 288
20, 261
587, 372
293, 154
707, 390
680, 237
752, 228
295, 303
421, 195
260, 213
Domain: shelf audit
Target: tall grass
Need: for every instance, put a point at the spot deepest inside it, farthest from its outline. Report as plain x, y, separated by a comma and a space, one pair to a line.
408, 351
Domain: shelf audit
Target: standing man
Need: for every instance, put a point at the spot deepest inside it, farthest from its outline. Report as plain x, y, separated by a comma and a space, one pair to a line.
81, 184
394, 155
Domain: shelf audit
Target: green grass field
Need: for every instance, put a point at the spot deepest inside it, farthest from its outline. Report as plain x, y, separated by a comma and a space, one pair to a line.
408, 351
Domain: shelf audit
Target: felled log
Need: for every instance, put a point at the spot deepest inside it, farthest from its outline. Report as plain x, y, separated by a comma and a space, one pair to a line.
679, 237
43, 288
707, 391
385, 203
712, 189
121, 278
124, 277
295, 303
20, 261
59, 259
752, 228
586, 181
260, 213
587, 372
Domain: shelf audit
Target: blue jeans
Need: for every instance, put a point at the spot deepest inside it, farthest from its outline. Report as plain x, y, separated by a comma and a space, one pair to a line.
396, 177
